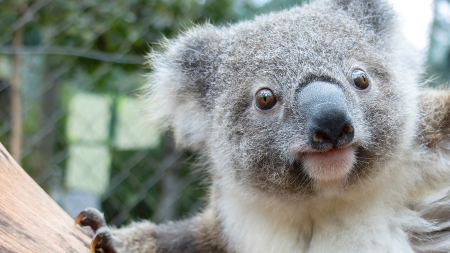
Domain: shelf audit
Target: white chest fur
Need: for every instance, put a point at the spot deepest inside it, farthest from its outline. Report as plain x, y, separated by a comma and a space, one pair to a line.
256, 227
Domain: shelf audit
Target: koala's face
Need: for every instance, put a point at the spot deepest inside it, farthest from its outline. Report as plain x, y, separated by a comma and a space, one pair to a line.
294, 99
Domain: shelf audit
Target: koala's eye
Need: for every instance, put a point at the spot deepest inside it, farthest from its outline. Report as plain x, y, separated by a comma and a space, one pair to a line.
360, 79
265, 99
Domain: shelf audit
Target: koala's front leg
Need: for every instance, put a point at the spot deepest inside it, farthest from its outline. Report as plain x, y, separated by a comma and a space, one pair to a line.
139, 237
196, 235
102, 239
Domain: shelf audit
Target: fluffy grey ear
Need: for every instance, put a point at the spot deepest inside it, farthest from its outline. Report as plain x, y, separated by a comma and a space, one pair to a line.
181, 81
376, 15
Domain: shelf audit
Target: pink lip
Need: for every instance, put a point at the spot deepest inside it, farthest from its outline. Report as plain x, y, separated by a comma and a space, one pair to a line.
330, 165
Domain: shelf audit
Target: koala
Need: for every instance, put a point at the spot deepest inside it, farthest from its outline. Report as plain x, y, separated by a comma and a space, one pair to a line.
318, 135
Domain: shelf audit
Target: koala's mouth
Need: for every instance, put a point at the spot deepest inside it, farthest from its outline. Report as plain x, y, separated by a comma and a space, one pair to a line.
333, 164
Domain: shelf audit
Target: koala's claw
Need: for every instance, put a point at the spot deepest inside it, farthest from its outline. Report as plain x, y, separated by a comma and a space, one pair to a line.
91, 217
95, 241
102, 239
79, 217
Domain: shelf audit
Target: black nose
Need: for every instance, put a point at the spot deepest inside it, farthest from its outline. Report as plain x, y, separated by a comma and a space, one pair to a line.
328, 122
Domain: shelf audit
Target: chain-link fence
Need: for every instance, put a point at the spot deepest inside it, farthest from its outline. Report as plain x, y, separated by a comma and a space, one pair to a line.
69, 75
70, 72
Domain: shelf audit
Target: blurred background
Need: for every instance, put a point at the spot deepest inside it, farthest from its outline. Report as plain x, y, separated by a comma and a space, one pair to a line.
70, 76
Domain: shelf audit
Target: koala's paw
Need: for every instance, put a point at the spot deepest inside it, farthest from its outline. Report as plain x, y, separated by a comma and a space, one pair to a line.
94, 224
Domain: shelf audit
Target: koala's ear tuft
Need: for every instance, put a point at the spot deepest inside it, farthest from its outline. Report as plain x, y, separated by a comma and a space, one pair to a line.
181, 84
375, 15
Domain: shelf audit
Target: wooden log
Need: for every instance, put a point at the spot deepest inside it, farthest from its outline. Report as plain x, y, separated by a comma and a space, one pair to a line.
30, 221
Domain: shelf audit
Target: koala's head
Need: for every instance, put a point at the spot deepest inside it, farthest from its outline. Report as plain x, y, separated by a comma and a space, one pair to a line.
293, 99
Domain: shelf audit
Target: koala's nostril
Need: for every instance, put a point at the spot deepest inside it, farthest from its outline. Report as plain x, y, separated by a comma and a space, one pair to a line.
320, 137
347, 129
345, 136
321, 141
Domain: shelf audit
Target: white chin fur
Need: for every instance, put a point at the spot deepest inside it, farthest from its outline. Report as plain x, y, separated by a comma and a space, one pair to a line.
330, 165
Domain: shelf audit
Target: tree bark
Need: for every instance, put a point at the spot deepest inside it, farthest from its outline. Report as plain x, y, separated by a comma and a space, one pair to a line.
30, 221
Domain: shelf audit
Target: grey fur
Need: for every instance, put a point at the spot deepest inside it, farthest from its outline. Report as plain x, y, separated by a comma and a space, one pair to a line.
203, 85
207, 79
